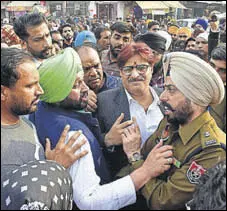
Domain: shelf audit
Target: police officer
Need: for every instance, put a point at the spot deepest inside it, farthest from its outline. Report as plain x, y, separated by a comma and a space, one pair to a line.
191, 85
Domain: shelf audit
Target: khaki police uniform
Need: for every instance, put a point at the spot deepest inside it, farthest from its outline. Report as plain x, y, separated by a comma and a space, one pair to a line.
175, 187
218, 112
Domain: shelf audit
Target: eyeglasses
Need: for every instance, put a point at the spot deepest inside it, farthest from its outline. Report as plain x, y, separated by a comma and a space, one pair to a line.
183, 36
141, 69
89, 68
203, 42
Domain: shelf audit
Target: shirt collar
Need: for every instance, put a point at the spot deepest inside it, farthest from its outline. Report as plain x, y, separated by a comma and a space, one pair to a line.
154, 94
188, 131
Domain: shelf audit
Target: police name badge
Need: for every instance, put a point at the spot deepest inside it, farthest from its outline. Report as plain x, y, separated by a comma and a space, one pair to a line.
194, 172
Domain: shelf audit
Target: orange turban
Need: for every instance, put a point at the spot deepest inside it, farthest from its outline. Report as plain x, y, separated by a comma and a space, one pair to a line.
185, 30
173, 30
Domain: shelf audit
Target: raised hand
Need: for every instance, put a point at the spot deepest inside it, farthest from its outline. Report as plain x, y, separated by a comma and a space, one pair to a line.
131, 139
64, 153
92, 101
159, 160
113, 137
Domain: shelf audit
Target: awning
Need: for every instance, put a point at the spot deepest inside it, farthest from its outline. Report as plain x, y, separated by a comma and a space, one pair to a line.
20, 5
174, 4
153, 5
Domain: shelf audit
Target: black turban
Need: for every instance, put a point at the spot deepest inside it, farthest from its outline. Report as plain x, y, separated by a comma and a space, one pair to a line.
153, 40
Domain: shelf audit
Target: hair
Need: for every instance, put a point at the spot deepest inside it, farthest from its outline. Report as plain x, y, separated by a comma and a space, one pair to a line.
63, 26
54, 32
188, 40
134, 49
210, 193
219, 53
28, 20
152, 23
99, 30
122, 27
86, 46
11, 58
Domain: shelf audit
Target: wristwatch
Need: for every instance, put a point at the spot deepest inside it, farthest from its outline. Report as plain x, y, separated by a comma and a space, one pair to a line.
136, 156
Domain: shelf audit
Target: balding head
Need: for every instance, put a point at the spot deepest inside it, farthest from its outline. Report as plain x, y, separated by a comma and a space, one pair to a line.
93, 72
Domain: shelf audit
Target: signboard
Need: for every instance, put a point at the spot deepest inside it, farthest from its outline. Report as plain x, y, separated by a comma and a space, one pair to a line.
58, 7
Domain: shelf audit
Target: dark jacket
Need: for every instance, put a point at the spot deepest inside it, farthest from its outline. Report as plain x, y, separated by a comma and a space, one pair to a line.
50, 122
111, 104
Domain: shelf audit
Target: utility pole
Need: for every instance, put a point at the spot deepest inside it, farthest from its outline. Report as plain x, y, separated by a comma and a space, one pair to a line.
64, 4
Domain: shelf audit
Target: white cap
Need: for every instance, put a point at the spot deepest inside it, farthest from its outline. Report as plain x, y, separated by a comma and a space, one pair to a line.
203, 35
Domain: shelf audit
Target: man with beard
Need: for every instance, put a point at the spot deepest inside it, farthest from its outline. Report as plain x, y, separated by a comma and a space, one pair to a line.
23, 165
65, 96
67, 34
94, 77
202, 44
191, 85
173, 31
33, 30
20, 93
120, 37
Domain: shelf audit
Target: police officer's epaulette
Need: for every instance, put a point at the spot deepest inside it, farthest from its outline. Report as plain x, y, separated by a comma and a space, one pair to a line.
211, 136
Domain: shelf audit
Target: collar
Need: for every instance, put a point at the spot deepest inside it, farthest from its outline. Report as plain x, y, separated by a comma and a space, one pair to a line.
154, 94
189, 130
37, 62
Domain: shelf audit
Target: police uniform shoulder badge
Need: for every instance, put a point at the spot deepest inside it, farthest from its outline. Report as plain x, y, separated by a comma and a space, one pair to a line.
194, 172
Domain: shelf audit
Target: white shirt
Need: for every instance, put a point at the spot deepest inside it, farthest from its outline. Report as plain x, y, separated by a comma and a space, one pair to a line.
148, 122
88, 194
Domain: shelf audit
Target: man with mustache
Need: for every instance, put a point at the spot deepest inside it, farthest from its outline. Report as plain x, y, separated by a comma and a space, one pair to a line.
20, 93
121, 35
134, 101
65, 96
62, 80
67, 33
191, 86
94, 76
33, 30
23, 165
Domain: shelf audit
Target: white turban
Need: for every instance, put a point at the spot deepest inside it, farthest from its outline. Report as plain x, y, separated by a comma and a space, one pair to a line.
195, 78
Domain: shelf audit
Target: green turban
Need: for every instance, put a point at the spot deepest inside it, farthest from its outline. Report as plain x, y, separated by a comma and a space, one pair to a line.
58, 75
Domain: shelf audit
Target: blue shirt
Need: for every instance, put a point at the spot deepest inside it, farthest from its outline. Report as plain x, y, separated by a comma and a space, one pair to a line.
50, 122
111, 82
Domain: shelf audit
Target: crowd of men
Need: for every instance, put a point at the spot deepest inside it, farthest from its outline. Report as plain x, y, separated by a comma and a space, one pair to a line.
113, 116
